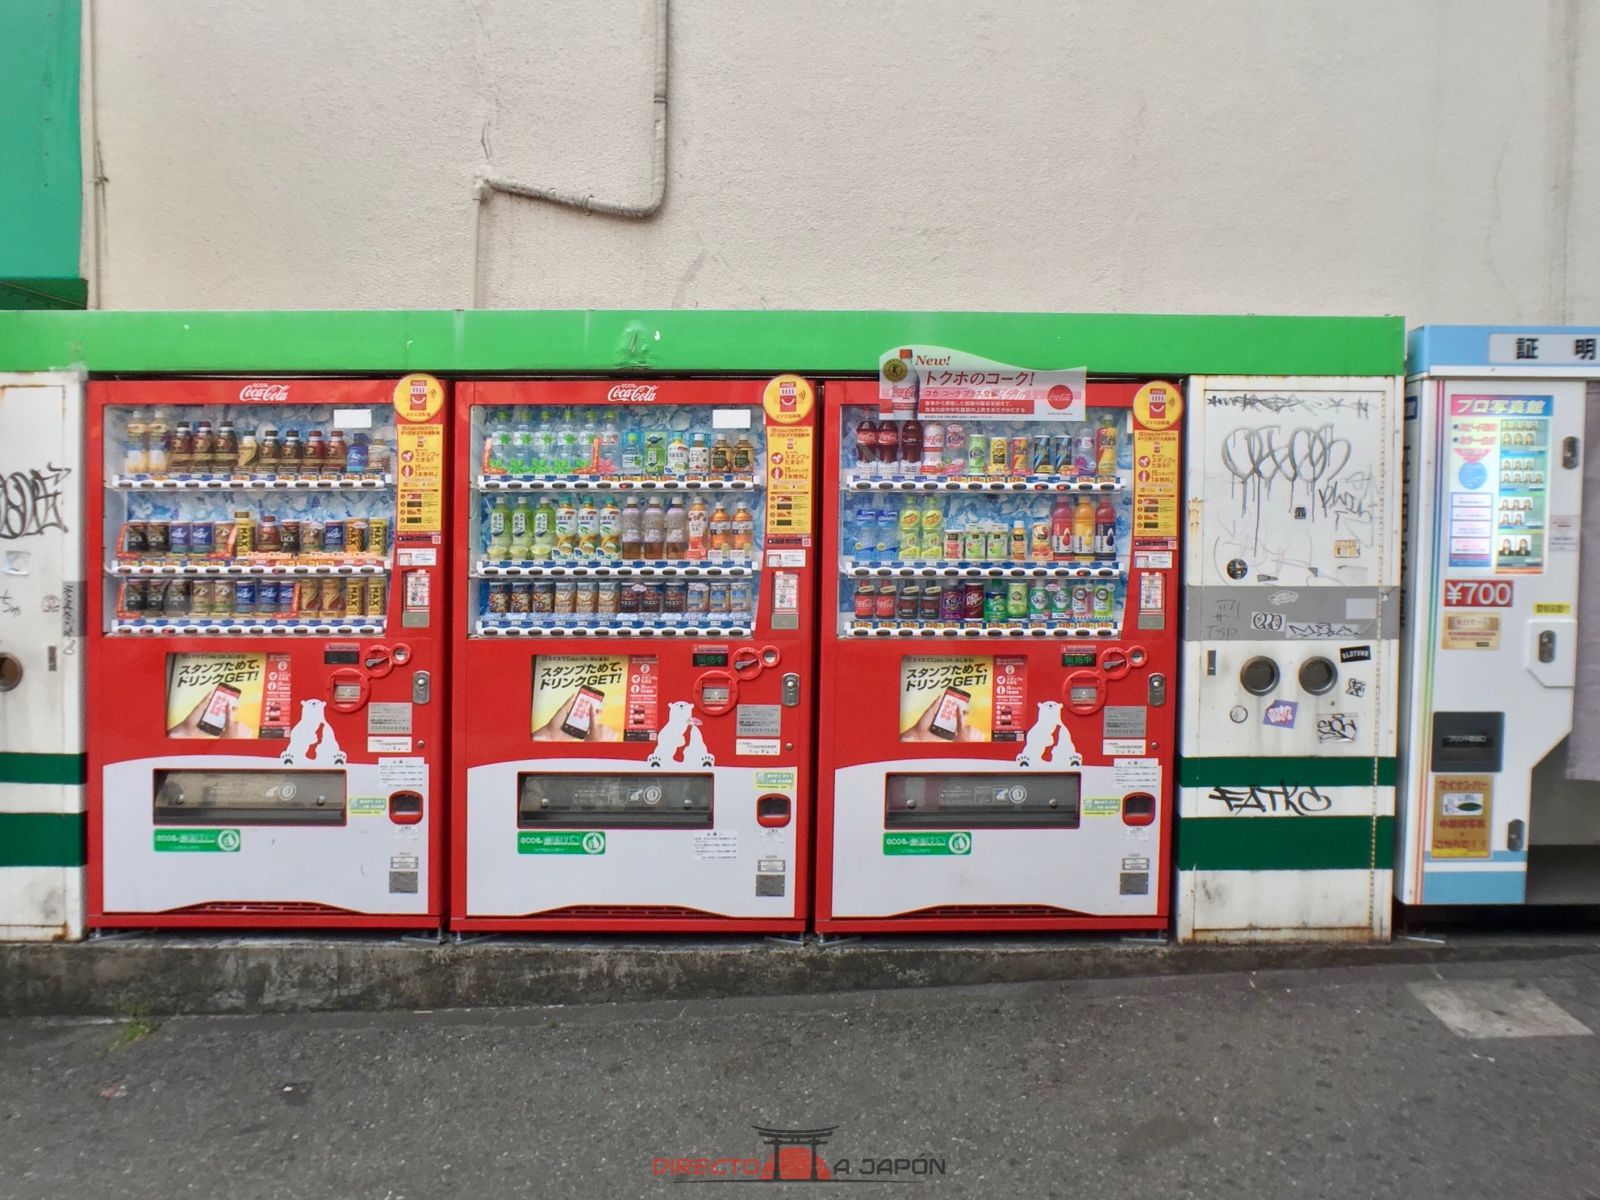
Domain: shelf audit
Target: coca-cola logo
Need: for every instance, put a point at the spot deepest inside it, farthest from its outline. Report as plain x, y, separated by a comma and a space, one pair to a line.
632, 393
264, 393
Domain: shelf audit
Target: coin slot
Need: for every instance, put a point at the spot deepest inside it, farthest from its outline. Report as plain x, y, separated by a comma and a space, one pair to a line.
1259, 675
10, 672
1318, 675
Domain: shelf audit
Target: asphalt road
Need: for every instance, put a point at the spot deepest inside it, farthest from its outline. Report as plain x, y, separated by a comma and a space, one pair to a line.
1334, 1083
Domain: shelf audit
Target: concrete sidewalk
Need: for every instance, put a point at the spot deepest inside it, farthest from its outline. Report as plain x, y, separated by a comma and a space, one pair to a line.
165, 974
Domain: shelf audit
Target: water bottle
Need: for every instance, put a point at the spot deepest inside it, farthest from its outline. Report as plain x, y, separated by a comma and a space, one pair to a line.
888, 538
522, 460
863, 531
500, 454
543, 449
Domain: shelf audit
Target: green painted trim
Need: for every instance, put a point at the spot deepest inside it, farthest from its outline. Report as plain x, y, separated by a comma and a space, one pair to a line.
689, 340
43, 839
41, 164
1284, 843
44, 293
68, 769
1276, 772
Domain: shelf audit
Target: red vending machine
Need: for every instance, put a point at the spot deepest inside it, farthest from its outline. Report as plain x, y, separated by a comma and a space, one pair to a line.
996, 722
634, 655
266, 652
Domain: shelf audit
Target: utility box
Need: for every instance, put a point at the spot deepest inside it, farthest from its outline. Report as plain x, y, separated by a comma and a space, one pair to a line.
1500, 766
41, 657
1290, 680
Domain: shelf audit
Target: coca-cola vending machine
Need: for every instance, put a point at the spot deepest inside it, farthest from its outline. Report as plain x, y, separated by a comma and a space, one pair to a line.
999, 631
634, 653
266, 652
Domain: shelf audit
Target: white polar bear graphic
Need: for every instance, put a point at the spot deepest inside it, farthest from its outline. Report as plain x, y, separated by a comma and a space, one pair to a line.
1049, 740
312, 730
681, 733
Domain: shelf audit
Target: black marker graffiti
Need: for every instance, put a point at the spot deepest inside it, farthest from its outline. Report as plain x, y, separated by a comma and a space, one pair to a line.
1299, 799
30, 502
1355, 687
1336, 727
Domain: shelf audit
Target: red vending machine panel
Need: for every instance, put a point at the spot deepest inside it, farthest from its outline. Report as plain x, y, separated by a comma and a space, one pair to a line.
266, 652
999, 635
634, 654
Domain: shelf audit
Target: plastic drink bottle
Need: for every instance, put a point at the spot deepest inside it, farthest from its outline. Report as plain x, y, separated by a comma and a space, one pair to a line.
1106, 447
606, 449
698, 528
630, 530
866, 445
653, 529
677, 456
863, 531
566, 529
1039, 542
909, 542
743, 532
522, 460
632, 462
720, 535
1019, 540
932, 530
610, 529
699, 455
521, 529
676, 543
887, 539
1061, 528
588, 529
500, 529
1105, 530
1083, 530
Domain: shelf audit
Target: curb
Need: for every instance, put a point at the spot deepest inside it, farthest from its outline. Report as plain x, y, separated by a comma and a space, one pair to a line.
165, 976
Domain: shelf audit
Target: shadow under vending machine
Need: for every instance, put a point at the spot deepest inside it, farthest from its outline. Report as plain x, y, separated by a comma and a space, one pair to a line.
996, 718
265, 651
633, 714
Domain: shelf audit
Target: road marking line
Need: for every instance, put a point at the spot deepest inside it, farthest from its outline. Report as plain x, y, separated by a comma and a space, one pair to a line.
1498, 1008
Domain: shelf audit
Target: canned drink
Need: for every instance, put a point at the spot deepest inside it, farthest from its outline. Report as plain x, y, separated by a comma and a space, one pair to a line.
1042, 459
355, 600
311, 537
136, 537
244, 597
909, 602
865, 599
739, 599
223, 534
698, 600
585, 599
179, 538
930, 607
1061, 454
244, 534
135, 597
955, 449
308, 597
628, 598
332, 597
1021, 455
1039, 602
717, 598
952, 544
377, 597
884, 605
222, 597
675, 598
650, 600
977, 454
355, 535
202, 539
994, 603
175, 598
1082, 601
972, 601
289, 532
201, 593
1059, 599
951, 603
566, 597
605, 598
999, 455
973, 543
544, 597
521, 598
158, 536
267, 597
1017, 600
378, 535
1102, 602
499, 598
333, 537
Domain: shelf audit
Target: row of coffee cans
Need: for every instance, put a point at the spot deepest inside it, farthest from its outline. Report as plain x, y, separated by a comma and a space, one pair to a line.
247, 535
326, 598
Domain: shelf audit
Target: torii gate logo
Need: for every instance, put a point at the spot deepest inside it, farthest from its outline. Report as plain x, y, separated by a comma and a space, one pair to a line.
794, 1156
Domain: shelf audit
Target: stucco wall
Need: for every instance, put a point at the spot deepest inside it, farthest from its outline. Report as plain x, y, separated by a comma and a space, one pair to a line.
1436, 158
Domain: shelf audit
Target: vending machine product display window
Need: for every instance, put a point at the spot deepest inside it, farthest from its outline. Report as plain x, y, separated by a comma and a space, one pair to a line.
263, 586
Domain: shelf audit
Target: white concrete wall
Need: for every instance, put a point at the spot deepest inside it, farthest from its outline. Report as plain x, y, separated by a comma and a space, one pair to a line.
1436, 158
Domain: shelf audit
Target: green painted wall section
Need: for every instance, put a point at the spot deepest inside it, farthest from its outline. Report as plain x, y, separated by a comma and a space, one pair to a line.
689, 340
1286, 772
68, 769
43, 839
1284, 843
41, 173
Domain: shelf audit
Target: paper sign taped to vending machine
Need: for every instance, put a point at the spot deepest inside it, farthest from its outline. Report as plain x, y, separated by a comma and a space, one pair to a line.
946, 698
1461, 810
936, 381
594, 698
222, 695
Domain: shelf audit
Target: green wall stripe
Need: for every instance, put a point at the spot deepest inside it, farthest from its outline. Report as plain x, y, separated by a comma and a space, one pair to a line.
1278, 772
684, 340
1284, 843
43, 768
43, 839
